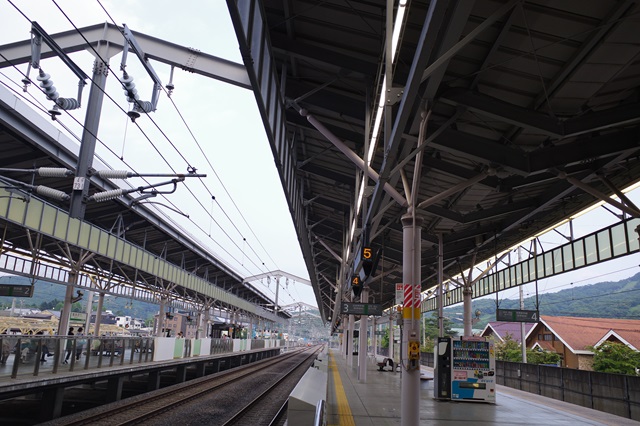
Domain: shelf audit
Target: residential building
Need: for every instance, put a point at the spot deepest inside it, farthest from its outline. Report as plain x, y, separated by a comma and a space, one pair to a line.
499, 330
572, 336
175, 322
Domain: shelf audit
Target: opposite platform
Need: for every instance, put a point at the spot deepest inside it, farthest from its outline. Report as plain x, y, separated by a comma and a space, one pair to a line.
377, 402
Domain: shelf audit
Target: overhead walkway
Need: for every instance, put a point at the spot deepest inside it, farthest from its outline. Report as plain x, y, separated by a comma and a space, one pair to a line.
377, 402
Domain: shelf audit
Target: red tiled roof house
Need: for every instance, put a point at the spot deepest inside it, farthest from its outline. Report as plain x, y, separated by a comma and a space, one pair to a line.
571, 336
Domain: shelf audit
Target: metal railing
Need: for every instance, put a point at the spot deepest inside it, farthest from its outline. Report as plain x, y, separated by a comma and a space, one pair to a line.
37, 354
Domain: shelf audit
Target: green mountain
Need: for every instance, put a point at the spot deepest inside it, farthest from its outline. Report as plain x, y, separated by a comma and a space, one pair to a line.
608, 299
47, 295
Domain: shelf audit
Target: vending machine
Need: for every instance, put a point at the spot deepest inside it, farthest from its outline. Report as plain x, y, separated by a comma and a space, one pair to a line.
473, 370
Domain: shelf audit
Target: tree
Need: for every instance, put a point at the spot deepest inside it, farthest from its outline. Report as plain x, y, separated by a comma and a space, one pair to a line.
538, 356
508, 349
617, 358
431, 329
384, 341
49, 305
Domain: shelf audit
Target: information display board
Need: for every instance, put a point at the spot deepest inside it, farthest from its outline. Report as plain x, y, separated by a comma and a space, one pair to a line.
517, 315
16, 290
361, 308
473, 370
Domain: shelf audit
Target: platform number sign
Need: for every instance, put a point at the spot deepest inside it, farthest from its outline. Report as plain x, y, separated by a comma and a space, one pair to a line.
367, 260
367, 253
517, 315
356, 285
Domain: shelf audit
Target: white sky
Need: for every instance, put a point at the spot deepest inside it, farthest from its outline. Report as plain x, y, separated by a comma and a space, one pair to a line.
223, 118
226, 124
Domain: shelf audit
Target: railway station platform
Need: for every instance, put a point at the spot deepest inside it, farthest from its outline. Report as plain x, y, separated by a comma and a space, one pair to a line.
377, 402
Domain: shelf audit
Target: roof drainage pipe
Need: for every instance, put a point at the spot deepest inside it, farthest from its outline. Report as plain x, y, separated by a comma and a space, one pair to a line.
352, 156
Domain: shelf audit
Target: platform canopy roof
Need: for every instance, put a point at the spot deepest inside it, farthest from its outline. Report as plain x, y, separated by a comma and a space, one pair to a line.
527, 105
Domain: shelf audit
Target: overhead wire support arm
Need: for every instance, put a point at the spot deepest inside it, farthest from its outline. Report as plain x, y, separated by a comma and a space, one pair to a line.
128, 85
38, 189
115, 193
40, 35
43, 171
123, 174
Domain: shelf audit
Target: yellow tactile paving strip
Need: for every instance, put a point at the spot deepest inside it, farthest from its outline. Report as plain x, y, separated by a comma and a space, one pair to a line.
344, 411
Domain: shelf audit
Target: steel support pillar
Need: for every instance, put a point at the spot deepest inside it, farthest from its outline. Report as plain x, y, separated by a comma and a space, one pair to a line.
362, 342
96, 326
411, 250
114, 389
467, 292
161, 316
350, 341
51, 403
63, 325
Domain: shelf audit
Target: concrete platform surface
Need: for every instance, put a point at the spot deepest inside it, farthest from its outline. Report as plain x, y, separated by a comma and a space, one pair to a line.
377, 402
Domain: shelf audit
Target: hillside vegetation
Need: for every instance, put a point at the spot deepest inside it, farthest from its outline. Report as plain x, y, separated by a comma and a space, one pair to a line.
607, 299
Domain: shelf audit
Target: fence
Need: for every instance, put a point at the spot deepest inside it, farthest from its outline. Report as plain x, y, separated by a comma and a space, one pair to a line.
39, 354
612, 393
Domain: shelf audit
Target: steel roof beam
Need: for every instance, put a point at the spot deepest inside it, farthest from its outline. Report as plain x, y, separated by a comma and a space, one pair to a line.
314, 54
185, 58
503, 111
543, 123
430, 29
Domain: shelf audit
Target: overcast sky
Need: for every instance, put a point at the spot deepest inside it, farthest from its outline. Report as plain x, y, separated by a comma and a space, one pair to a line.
224, 120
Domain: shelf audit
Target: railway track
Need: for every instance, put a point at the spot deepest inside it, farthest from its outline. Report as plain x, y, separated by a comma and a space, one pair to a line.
262, 407
180, 400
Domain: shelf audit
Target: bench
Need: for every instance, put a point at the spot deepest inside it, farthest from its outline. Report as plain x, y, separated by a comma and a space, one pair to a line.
383, 362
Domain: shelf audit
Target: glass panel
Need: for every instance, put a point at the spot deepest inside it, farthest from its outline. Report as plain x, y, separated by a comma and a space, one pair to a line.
591, 249
256, 38
634, 244
126, 253
4, 202
16, 210
557, 260
567, 256
604, 244
34, 214
94, 241
111, 246
525, 271
548, 264
244, 10
60, 229
103, 243
48, 219
74, 231
539, 263
136, 257
518, 270
619, 240
85, 232
578, 252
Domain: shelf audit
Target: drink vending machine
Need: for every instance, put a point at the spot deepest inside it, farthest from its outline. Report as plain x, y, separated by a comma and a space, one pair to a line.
473, 370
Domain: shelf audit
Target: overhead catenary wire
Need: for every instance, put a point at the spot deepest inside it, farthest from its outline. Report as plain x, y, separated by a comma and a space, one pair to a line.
162, 156
44, 110
189, 164
206, 157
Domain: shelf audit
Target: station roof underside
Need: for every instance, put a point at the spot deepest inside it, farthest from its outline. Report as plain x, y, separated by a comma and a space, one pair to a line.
518, 95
